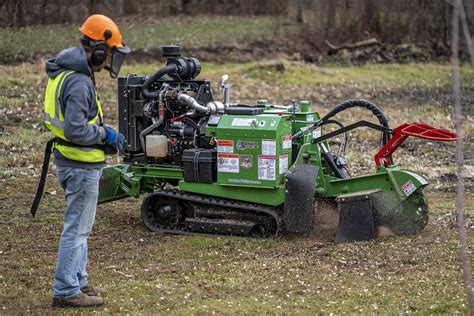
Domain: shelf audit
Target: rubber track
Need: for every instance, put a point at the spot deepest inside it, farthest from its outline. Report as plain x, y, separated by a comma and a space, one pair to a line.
202, 199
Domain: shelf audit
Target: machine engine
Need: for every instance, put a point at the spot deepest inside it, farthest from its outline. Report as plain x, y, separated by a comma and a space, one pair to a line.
164, 114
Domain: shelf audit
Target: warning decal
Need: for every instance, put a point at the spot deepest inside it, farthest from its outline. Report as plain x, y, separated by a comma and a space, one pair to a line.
419, 178
228, 163
266, 168
317, 132
242, 121
225, 146
283, 164
269, 147
408, 187
242, 144
286, 142
246, 161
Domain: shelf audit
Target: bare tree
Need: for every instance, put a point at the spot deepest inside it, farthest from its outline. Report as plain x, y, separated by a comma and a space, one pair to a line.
467, 36
19, 13
300, 11
466, 264
330, 18
470, 11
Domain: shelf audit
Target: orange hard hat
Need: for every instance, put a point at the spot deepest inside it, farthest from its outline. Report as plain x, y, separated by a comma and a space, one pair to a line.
98, 27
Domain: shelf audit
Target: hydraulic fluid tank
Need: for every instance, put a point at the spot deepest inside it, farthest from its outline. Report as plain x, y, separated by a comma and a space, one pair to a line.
156, 146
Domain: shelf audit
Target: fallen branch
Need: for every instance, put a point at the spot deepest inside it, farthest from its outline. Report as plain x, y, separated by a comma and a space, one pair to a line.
364, 43
123, 273
119, 272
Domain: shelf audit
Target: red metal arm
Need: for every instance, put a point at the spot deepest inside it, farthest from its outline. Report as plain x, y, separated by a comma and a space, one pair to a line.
402, 132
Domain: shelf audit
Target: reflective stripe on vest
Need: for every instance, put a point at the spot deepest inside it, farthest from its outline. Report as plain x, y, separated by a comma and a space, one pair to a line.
54, 121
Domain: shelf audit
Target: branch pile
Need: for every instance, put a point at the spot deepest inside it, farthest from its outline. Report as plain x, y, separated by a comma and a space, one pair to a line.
372, 50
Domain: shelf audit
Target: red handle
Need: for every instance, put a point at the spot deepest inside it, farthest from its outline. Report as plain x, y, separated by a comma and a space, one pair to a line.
402, 132
425, 131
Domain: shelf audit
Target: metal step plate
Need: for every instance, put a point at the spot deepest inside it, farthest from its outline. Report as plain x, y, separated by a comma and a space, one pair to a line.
356, 219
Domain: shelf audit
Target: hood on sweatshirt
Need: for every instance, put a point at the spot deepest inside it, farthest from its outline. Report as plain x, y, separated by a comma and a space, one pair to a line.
73, 58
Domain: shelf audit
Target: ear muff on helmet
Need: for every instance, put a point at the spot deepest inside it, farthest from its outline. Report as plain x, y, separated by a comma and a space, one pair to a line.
99, 54
99, 48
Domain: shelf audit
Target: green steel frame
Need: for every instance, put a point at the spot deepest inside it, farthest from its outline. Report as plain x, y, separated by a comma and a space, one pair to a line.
400, 191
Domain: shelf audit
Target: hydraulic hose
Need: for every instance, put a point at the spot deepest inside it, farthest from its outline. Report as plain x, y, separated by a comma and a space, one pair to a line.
358, 103
347, 105
363, 104
168, 69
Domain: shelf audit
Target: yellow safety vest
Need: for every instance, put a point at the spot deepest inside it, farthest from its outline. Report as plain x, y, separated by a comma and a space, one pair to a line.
54, 121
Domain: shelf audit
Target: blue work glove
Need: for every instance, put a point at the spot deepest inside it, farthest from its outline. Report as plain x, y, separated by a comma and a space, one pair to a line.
113, 138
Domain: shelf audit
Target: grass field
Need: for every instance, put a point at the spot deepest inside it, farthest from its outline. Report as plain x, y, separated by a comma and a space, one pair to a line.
150, 273
26, 43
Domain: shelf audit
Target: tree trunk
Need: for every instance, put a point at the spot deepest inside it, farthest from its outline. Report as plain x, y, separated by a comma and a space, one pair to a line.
330, 19
19, 13
469, 5
462, 236
300, 12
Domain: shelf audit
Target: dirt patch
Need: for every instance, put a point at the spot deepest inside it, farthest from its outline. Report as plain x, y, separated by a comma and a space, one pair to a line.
326, 218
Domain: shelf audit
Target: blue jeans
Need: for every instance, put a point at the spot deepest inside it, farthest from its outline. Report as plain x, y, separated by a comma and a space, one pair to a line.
82, 191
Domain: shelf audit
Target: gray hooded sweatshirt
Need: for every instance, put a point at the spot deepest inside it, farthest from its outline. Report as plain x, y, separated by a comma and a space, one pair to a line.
78, 103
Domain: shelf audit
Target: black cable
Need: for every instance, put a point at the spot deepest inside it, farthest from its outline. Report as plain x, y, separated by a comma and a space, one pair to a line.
44, 173
190, 122
346, 134
347, 170
202, 121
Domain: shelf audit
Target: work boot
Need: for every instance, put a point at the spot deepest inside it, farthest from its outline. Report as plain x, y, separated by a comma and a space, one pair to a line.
81, 300
92, 290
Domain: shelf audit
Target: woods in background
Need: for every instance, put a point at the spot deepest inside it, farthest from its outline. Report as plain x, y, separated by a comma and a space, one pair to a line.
394, 22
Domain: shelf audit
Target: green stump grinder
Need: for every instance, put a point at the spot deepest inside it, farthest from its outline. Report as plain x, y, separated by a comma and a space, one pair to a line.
212, 167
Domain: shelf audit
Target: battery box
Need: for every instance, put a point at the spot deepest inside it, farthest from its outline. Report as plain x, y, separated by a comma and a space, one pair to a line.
199, 165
